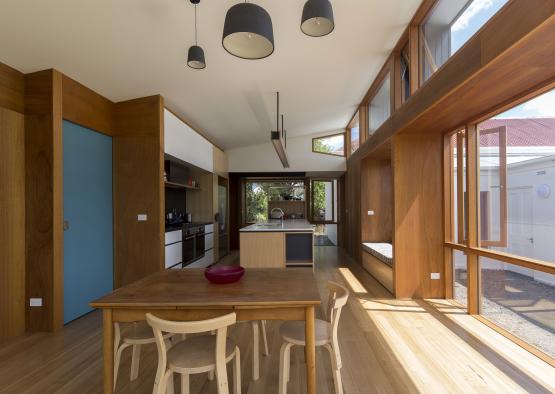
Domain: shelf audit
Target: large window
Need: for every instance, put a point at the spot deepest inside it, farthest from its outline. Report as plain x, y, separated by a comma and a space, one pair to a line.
330, 144
517, 174
379, 108
354, 133
521, 301
450, 24
261, 196
500, 210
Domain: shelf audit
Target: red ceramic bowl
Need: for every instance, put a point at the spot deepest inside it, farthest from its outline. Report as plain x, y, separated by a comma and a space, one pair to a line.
223, 275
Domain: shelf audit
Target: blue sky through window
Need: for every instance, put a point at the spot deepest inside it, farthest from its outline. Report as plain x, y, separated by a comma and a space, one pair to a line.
472, 19
542, 106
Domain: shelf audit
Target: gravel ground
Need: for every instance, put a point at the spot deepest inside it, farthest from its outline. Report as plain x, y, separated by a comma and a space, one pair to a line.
518, 304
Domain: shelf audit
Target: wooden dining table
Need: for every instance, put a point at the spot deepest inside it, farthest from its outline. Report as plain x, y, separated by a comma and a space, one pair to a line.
185, 295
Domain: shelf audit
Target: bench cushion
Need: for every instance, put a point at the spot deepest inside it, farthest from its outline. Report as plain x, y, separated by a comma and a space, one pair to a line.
381, 251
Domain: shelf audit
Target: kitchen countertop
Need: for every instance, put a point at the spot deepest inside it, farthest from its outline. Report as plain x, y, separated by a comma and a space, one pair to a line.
292, 225
175, 227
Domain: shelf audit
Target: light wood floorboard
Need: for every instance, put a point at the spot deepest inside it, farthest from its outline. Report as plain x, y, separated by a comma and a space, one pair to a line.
387, 346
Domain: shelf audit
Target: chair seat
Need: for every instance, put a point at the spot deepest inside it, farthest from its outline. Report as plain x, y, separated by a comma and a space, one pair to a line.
294, 332
197, 353
139, 333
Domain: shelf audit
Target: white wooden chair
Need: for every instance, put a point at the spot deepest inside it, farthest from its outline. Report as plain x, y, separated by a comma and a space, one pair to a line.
134, 334
256, 345
293, 333
196, 354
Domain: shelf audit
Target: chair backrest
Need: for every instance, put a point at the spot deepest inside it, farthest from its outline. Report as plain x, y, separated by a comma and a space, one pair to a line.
337, 299
219, 324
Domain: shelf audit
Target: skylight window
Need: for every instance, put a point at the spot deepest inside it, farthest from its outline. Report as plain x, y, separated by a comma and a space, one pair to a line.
449, 26
330, 145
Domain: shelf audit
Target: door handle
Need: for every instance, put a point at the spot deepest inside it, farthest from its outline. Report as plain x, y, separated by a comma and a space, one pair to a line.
66, 225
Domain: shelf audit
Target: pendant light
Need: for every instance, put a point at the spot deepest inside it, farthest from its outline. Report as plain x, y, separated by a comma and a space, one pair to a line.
248, 32
317, 20
195, 57
279, 138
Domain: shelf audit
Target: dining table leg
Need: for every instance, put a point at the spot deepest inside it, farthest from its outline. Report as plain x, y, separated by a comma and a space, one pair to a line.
108, 349
310, 350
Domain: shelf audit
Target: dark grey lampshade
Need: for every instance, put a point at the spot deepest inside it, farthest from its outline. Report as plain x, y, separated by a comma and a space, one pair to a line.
317, 20
248, 32
195, 58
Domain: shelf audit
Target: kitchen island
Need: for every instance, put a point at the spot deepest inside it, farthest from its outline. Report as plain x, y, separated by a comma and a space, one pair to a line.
277, 244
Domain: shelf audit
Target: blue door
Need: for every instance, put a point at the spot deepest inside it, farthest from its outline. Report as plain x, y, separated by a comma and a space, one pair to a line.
88, 225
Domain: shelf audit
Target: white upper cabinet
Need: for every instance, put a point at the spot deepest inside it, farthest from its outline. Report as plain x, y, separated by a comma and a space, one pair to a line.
183, 142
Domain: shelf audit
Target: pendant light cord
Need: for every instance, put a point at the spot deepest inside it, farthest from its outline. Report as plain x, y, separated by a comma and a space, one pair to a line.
196, 43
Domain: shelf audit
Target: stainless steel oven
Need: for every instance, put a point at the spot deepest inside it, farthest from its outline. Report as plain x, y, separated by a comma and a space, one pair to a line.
188, 246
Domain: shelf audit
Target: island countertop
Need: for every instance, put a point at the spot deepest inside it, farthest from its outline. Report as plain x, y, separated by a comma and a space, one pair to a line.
292, 225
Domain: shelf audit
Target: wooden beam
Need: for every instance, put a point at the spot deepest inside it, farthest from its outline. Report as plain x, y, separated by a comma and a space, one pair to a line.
11, 89
12, 224
44, 199
87, 108
472, 203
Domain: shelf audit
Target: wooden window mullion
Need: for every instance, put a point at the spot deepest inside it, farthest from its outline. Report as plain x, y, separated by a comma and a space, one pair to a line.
472, 203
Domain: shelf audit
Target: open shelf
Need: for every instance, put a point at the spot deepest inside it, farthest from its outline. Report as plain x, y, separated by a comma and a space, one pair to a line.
174, 185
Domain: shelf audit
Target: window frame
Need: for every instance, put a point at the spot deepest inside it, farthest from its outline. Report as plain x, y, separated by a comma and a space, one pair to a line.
472, 246
332, 135
430, 8
311, 194
503, 223
356, 119
387, 71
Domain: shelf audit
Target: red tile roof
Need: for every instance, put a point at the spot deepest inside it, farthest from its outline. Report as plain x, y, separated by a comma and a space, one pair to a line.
520, 132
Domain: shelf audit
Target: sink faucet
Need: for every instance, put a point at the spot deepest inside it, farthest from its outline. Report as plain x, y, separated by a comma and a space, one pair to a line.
280, 210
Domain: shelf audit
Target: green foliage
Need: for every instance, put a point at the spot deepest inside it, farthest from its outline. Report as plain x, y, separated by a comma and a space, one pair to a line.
320, 145
259, 193
318, 200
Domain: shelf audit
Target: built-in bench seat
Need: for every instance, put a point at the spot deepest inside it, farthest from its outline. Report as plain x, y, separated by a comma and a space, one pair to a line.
377, 259
382, 251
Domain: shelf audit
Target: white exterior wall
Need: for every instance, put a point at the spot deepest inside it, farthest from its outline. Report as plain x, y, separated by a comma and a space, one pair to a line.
525, 176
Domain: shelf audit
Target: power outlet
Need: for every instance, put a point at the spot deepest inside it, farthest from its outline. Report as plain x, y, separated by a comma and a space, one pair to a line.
35, 302
142, 217
435, 275
370, 213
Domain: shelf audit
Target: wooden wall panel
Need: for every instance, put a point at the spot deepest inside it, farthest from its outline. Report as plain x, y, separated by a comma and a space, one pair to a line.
44, 194
418, 224
12, 223
353, 237
201, 202
87, 108
376, 195
221, 165
138, 150
11, 89
234, 211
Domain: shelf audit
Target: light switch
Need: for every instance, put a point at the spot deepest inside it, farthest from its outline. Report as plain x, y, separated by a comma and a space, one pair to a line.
370, 213
35, 302
142, 217
435, 275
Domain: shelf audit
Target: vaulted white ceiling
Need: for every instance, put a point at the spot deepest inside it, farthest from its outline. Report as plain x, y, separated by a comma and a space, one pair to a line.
132, 48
